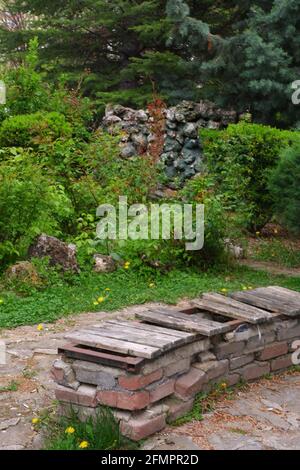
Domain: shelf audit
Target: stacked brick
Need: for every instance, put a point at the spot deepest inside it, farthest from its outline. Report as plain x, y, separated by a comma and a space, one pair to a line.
164, 389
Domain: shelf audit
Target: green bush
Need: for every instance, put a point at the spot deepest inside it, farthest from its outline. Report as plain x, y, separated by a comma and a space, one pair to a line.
30, 203
33, 129
240, 158
27, 92
284, 187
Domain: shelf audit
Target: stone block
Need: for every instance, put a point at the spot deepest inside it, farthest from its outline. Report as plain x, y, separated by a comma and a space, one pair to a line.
177, 408
254, 371
189, 384
178, 367
142, 426
124, 400
63, 374
213, 369
280, 363
223, 349
96, 374
161, 390
273, 350
136, 382
240, 361
85, 395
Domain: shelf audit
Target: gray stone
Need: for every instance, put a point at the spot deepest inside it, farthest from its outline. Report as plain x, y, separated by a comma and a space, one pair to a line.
104, 264
237, 362
190, 130
140, 141
58, 252
95, 374
128, 151
229, 349
213, 369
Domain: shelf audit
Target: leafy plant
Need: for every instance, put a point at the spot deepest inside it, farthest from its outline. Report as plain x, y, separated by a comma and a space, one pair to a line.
29, 130
30, 203
285, 188
240, 158
100, 432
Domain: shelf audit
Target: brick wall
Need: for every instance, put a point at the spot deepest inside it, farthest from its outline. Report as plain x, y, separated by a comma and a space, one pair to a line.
165, 388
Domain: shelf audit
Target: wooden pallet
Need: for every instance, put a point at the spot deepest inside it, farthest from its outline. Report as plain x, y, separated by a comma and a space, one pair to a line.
200, 322
128, 344
273, 299
128, 339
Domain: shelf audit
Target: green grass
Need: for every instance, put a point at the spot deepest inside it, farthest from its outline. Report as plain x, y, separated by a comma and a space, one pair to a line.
79, 293
278, 252
100, 432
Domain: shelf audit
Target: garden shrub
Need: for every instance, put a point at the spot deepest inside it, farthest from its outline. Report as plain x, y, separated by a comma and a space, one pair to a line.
284, 185
240, 158
30, 203
162, 255
27, 92
33, 129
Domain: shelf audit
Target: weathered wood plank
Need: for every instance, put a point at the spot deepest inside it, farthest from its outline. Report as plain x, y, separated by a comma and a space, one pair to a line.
110, 344
187, 337
277, 295
127, 334
286, 292
258, 299
232, 308
181, 321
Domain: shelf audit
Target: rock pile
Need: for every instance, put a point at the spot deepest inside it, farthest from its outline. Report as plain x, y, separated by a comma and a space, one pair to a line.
182, 153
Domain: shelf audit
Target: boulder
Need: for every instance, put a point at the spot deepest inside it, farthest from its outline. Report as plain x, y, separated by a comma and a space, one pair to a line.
24, 271
104, 264
58, 252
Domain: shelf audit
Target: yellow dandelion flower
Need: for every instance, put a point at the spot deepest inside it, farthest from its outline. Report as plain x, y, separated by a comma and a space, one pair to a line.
224, 290
107, 289
151, 285
70, 430
35, 420
95, 303
245, 288
101, 299
224, 385
40, 327
83, 445
250, 288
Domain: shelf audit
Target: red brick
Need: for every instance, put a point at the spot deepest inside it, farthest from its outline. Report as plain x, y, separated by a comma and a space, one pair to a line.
124, 400
177, 408
136, 382
255, 370
232, 379
85, 395
273, 350
281, 362
159, 391
189, 384
141, 427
